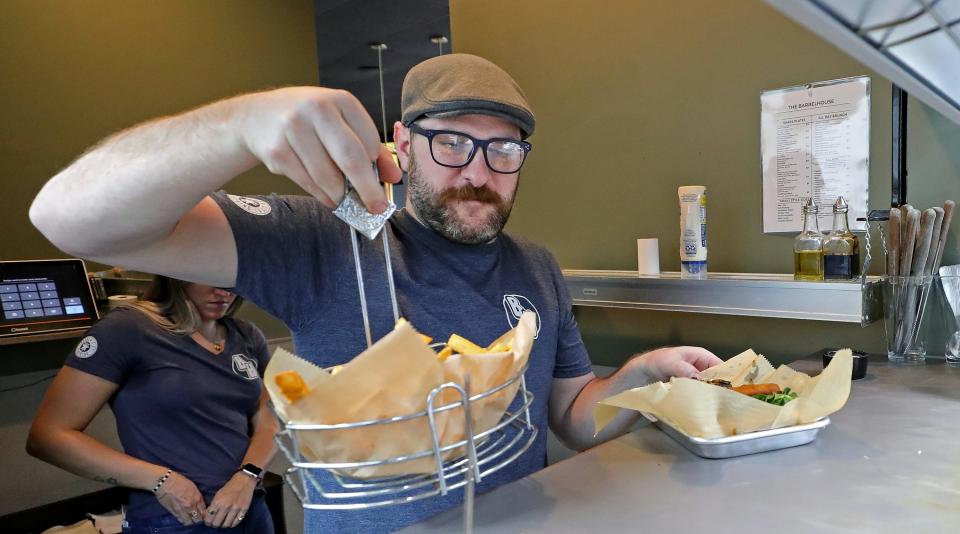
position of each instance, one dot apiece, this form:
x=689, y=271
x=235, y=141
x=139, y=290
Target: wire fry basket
x=486, y=452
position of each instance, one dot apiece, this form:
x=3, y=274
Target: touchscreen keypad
x=32, y=300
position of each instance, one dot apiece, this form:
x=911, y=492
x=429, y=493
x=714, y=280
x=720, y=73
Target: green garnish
x=779, y=399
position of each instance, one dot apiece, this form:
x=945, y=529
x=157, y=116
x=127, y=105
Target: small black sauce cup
x=859, y=362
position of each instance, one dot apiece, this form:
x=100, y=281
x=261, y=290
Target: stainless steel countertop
x=889, y=462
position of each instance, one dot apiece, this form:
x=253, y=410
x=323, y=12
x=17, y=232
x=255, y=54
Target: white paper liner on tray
x=393, y=378
x=703, y=410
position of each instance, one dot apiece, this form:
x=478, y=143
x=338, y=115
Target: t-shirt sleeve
x=572, y=357
x=110, y=348
x=257, y=343
x=274, y=234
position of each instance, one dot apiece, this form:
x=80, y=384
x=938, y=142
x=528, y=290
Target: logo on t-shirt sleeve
x=251, y=205
x=86, y=348
x=245, y=367
x=515, y=305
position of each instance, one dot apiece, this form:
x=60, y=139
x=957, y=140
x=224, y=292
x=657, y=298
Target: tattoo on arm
x=108, y=480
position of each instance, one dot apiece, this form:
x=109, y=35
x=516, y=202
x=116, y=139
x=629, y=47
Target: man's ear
x=401, y=140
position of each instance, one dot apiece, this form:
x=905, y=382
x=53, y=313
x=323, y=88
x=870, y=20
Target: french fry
x=445, y=353
x=497, y=348
x=464, y=345
x=460, y=345
x=291, y=385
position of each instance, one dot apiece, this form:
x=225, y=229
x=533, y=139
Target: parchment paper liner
x=393, y=378
x=703, y=410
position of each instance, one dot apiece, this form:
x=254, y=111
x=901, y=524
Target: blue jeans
x=256, y=521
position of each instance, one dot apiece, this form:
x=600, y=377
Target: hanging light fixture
x=380, y=47
x=439, y=40
x=391, y=146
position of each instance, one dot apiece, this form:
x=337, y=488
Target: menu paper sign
x=815, y=142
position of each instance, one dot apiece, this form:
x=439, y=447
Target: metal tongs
x=352, y=211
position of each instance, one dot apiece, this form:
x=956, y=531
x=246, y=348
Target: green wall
x=634, y=99
x=74, y=72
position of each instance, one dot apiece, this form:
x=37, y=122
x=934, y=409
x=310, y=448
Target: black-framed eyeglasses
x=457, y=149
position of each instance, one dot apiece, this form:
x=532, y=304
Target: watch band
x=252, y=471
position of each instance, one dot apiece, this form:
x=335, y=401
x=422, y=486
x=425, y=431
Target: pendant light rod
x=439, y=40
x=380, y=47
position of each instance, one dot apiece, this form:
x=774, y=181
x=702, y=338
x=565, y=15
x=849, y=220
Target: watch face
x=250, y=468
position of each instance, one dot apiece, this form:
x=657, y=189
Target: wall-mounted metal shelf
x=746, y=294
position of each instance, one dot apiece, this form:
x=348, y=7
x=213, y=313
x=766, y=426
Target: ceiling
x=913, y=43
x=347, y=28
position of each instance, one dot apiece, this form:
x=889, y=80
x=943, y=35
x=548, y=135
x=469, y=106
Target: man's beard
x=435, y=208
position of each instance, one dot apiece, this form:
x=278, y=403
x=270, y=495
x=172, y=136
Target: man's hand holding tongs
x=318, y=137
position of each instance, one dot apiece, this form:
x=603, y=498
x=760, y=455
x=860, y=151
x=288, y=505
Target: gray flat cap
x=460, y=84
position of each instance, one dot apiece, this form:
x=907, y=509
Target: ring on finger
x=239, y=518
x=212, y=511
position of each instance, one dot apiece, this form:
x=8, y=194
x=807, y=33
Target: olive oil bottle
x=841, y=250
x=808, y=246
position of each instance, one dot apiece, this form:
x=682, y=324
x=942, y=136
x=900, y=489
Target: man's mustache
x=465, y=193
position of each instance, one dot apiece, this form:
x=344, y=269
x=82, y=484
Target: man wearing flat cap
x=462, y=141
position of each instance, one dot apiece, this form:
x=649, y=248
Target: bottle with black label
x=841, y=250
x=808, y=246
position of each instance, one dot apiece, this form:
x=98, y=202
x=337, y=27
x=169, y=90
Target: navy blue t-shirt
x=295, y=261
x=178, y=405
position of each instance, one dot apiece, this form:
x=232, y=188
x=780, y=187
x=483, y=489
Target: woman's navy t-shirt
x=178, y=405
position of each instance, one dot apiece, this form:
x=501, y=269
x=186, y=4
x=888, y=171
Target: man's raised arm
x=138, y=198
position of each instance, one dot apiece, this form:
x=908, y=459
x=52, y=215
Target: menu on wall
x=815, y=142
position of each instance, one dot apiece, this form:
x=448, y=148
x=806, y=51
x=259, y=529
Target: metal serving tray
x=743, y=444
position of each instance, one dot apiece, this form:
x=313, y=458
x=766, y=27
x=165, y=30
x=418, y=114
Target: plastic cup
x=951, y=291
x=648, y=256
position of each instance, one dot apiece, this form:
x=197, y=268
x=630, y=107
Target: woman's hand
x=661, y=364
x=180, y=496
x=230, y=504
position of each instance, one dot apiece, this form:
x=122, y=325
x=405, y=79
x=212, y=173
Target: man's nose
x=477, y=172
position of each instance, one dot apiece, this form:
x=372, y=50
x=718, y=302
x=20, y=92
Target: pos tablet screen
x=42, y=296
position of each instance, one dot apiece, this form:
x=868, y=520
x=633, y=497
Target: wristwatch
x=252, y=471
